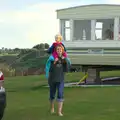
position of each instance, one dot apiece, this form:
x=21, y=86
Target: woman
x=55, y=75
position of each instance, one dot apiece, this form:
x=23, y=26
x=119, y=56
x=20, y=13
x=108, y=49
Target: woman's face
x=59, y=51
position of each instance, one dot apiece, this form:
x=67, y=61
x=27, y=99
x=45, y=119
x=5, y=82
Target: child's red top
x=55, y=44
x=1, y=76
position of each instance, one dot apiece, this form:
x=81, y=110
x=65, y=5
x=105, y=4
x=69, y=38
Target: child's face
x=59, y=51
x=58, y=39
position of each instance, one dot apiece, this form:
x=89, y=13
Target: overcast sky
x=24, y=23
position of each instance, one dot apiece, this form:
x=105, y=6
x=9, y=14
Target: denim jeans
x=59, y=86
x=2, y=104
x=1, y=113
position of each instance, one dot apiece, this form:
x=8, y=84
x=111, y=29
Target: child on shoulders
x=52, y=49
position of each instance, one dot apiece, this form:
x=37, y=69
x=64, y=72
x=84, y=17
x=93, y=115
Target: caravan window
x=104, y=29
x=98, y=30
x=82, y=30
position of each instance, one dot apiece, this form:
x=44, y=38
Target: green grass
x=27, y=99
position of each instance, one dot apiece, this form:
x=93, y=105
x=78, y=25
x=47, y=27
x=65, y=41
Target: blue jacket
x=48, y=64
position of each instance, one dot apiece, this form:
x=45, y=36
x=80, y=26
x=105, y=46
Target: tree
x=6, y=49
x=37, y=46
x=42, y=46
x=23, y=51
x=3, y=48
x=16, y=49
x=46, y=45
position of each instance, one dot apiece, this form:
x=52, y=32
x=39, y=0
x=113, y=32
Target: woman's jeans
x=2, y=104
x=56, y=86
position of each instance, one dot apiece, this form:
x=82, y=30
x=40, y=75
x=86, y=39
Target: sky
x=25, y=23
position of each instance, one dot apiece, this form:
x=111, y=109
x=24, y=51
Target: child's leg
x=1, y=83
x=64, y=54
x=55, y=55
x=60, y=87
x=52, y=87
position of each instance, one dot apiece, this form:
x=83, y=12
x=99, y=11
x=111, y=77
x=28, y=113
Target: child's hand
x=56, y=59
x=63, y=57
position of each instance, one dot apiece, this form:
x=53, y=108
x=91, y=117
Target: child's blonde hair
x=58, y=38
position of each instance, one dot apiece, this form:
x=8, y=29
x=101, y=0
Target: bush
x=7, y=70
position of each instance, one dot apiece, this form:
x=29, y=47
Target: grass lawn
x=27, y=99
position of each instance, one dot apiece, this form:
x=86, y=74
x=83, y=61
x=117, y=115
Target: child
x=58, y=39
x=55, y=75
x=2, y=96
x=1, y=79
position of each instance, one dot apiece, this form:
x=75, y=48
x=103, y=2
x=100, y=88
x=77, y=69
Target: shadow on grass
x=26, y=89
x=38, y=87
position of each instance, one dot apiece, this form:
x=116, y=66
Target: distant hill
x=9, y=59
x=32, y=60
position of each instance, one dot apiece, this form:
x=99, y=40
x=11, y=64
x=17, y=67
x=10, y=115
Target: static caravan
x=91, y=34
